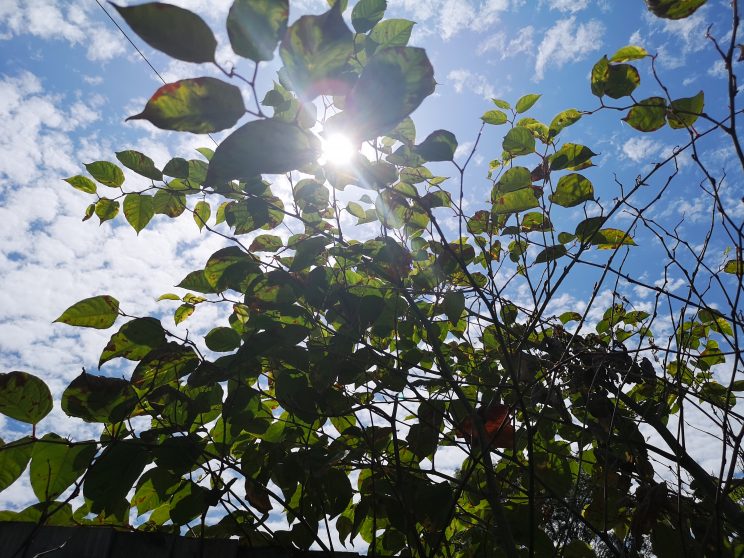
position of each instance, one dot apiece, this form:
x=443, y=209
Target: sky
x=69, y=78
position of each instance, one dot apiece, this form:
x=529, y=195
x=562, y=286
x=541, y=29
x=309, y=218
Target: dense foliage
x=352, y=358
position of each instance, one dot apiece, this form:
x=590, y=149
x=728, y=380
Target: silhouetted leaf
x=175, y=31
x=98, y=398
x=674, y=9
x=114, y=473
x=134, y=340
x=139, y=163
x=440, y=145
x=14, y=457
x=262, y=147
x=56, y=463
x=366, y=14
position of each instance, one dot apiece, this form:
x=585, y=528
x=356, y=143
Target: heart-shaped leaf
x=24, y=397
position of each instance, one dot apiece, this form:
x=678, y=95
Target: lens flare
x=337, y=150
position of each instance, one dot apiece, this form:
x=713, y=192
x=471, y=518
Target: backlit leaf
x=551, y=253
x=525, y=103
x=82, y=183
x=513, y=202
x=614, y=80
x=513, y=179
x=256, y=26
x=494, y=117
x=99, y=312
x=106, y=173
x=628, y=53
x=572, y=189
x=391, y=33
x=570, y=155
x=266, y=243
x=735, y=267
x=563, y=120
x=684, y=112
x=366, y=14
x=14, y=457
x=138, y=210
x=175, y=31
x=139, y=163
x=648, y=115
x=183, y=312
x=315, y=52
x=519, y=141
x=106, y=209
x=393, y=84
x=202, y=212
x=24, y=397
x=674, y=9
x=56, y=463
x=261, y=147
x=198, y=105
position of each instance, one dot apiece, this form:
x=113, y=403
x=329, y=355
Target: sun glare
x=337, y=150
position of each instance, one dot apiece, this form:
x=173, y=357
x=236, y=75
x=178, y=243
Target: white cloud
x=567, y=42
x=466, y=80
x=718, y=69
x=59, y=20
x=572, y=6
x=522, y=43
x=641, y=148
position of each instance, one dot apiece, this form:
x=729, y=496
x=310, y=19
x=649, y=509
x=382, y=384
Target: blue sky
x=68, y=79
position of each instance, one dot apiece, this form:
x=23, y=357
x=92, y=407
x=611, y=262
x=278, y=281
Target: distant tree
x=352, y=358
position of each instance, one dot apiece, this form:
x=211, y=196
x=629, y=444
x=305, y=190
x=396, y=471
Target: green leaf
x=525, y=103
x=183, y=312
x=440, y=145
x=14, y=457
x=315, y=52
x=139, y=163
x=24, y=397
x=134, y=340
x=454, y=304
x=495, y=117
x=563, y=120
x=674, y=9
x=256, y=26
x=648, y=115
x=613, y=80
x=165, y=364
x=628, y=53
x=513, y=202
x=154, y=488
x=106, y=173
x=513, y=179
x=99, y=312
x=391, y=33
x=501, y=104
x=188, y=503
x=735, y=267
x=138, y=210
x=366, y=14
x=198, y=105
x=99, y=398
x=261, y=147
x=266, y=243
x=519, y=141
x=175, y=31
x=82, y=183
x=202, y=212
x=611, y=239
x=393, y=84
x=222, y=339
x=177, y=168
x=106, y=209
x=570, y=155
x=572, y=189
x=169, y=202
x=684, y=112
x=114, y=473
x=551, y=253
x=89, y=211
x=56, y=463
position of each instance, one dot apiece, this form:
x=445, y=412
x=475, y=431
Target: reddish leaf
x=496, y=423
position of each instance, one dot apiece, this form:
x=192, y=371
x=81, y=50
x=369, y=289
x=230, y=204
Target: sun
x=337, y=150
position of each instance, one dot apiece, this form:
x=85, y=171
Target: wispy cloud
x=463, y=80
x=522, y=43
x=567, y=41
